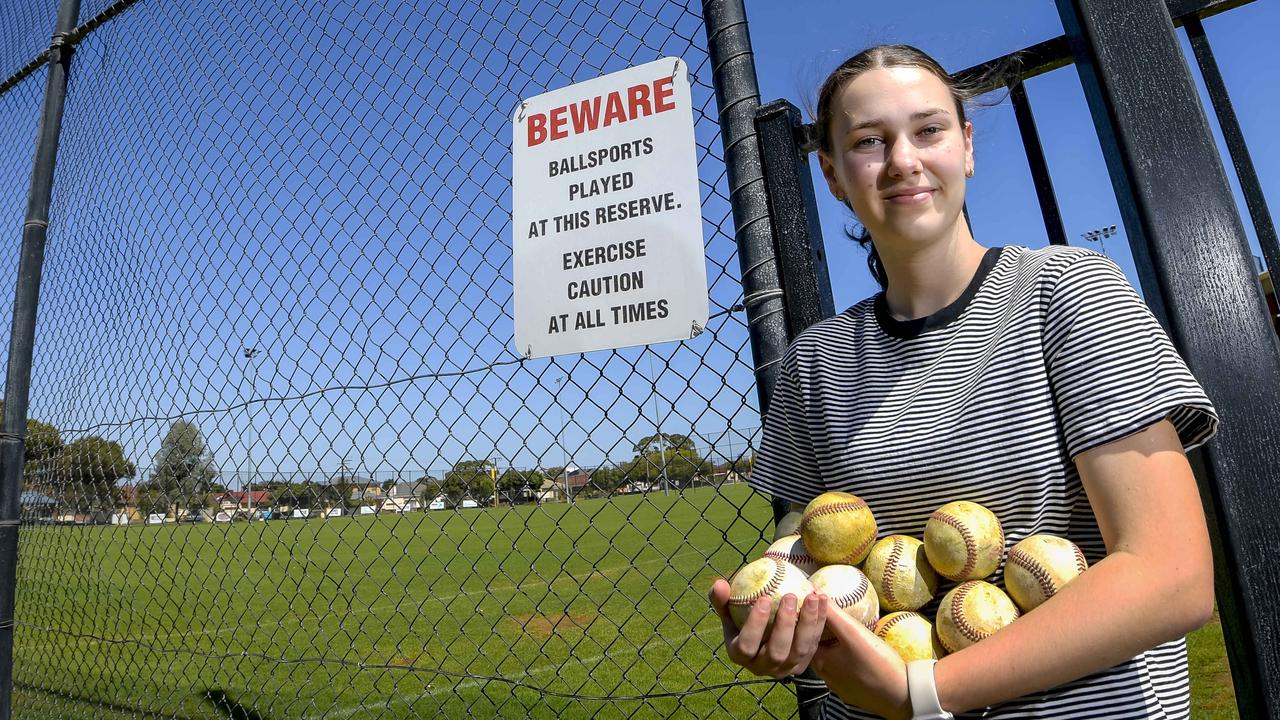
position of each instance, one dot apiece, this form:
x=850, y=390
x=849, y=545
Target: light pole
x=564, y=453
x=249, y=354
x=662, y=448
x=1099, y=234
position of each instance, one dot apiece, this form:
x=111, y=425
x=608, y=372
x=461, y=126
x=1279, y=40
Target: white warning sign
x=606, y=216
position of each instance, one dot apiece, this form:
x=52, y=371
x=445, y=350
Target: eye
x=864, y=142
x=936, y=128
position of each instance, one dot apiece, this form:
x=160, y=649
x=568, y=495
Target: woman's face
x=899, y=154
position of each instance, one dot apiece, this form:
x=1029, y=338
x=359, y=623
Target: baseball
x=838, y=528
x=1039, y=566
x=791, y=549
x=765, y=577
x=963, y=541
x=850, y=590
x=971, y=612
x=910, y=635
x=900, y=573
x=788, y=525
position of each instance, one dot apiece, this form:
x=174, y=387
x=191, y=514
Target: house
x=361, y=489
x=405, y=497
x=553, y=488
x=36, y=507
x=242, y=503
x=126, y=510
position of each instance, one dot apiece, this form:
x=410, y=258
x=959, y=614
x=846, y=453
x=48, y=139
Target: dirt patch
x=544, y=626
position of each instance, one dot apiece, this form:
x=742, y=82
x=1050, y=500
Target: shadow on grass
x=228, y=707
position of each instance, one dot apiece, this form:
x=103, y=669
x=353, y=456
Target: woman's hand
x=791, y=642
x=861, y=669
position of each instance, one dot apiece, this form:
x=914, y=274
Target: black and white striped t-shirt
x=1046, y=354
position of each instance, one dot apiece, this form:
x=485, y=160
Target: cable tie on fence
x=675, y=69
x=20, y=437
x=36, y=223
x=759, y=298
x=9, y=523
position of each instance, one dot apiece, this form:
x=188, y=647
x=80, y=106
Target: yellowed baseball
x=838, y=528
x=900, y=573
x=911, y=635
x=850, y=590
x=788, y=525
x=1039, y=566
x=963, y=541
x=971, y=612
x=765, y=577
x=791, y=549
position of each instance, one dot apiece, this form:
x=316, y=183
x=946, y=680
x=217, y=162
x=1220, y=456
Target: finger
x=746, y=646
x=809, y=627
x=718, y=595
x=777, y=650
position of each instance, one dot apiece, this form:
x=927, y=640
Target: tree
x=513, y=482
x=469, y=478
x=605, y=481
x=669, y=441
x=90, y=468
x=429, y=489
x=672, y=454
x=42, y=446
x=183, y=468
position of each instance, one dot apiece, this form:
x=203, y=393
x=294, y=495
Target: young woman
x=1034, y=382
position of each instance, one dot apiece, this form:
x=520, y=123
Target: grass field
x=482, y=613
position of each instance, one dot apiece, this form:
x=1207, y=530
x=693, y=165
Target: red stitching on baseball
x=832, y=508
x=897, y=618
x=1081, y=563
x=957, y=614
x=855, y=596
x=971, y=549
x=793, y=558
x=890, y=565
x=767, y=589
x=858, y=552
x=1020, y=558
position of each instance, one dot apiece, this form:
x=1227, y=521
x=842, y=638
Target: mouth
x=911, y=197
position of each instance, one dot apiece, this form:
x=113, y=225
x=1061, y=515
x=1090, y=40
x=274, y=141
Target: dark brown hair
x=963, y=90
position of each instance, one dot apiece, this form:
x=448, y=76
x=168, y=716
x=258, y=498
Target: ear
x=829, y=172
x=968, y=144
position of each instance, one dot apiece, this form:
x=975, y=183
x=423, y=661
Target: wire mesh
x=290, y=465
x=25, y=29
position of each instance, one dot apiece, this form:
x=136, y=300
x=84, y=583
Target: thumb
x=718, y=595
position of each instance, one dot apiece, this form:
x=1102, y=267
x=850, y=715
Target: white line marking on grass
x=473, y=682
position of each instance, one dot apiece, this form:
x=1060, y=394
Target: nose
x=903, y=160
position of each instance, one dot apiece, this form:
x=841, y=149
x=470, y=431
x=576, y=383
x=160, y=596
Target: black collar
x=908, y=329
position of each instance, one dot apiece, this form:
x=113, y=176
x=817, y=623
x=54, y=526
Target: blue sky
x=345, y=207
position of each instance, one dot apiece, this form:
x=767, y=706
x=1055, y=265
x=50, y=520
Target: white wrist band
x=923, y=692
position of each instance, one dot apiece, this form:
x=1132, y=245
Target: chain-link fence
x=284, y=461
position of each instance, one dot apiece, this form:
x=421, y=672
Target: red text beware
x=600, y=111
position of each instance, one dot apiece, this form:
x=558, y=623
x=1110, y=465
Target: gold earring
x=968, y=173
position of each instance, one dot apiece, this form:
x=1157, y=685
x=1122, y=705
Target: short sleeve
x=785, y=466
x=1112, y=369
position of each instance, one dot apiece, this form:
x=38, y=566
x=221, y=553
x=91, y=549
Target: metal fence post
x=1190, y=250
x=738, y=97
x=797, y=233
x=22, y=336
